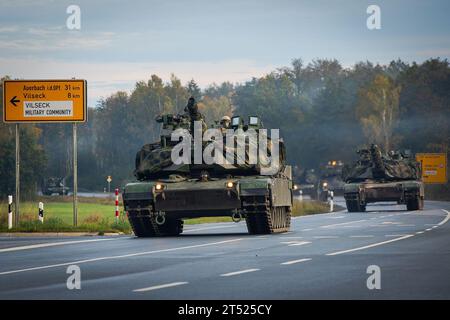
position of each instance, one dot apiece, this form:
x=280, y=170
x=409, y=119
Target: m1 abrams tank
x=55, y=185
x=305, y=182
x=166, y=193
x=330, y=180
x=379, y=177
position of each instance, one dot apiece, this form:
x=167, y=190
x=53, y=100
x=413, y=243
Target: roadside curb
x=57, y=234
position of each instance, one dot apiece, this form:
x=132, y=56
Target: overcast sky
x=121, y=42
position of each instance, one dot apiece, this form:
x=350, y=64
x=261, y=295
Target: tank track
x=262, y=218
x=144, y=225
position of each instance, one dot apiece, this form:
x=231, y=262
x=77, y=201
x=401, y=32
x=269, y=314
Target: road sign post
x=10, y=217
x=41, y=212
x=36, y=101
x=109, y=179
x=75, y=176
x=17, y=203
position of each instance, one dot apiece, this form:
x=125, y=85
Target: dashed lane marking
x=209, y=228
x=235, y=273
x=342, y=224
x=295, y=261
x=161, y=286
x=325, y=237
x=362, y=236
x=296, y=243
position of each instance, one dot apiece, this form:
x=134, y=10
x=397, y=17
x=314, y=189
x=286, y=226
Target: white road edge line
x=369, y=246
x=238, y=272
x=295, y=261
x=446, y=218
x=162, y=286
x=53, y=244
x=388, y=241
x=118, y=257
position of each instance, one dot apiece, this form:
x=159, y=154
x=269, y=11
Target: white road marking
x=389, y=241
x=325, y=237
x=295, y=243
x=306, y=229
x=446, y=218
x=238, y=272
x=369, y=246
x=395, y=235
x=53, y=244
x=209, y=228
x=295, y=261
x=429, y=229
x=341, y=224
x=118, y=256
x=162, y=286
x=362, y=236
x=292, y=237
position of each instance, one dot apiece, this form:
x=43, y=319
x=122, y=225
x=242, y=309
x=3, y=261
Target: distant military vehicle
x=305, y=181
x=379, y=177
x=330, y=180
x=55, y=185
x=167, y=193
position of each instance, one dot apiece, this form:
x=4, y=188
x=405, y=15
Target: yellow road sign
x=434, y=167
x=44, y=101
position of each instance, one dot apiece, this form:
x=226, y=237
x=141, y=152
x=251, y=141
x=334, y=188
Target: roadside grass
x=97, y=215
x=94, y=215
x=308, y=207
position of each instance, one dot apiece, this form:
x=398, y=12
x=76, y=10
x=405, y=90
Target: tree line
x=323, y=110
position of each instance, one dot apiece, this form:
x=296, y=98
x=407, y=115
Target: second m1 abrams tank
x=167, y=193
x=379, y=177
x=330, y=180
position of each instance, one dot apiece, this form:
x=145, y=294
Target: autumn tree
x=377, y=110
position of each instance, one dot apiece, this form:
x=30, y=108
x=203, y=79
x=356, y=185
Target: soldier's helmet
x=191, y=106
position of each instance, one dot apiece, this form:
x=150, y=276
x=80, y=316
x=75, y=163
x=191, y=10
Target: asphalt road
x=323, y=257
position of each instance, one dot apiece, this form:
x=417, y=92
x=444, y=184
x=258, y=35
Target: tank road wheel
x=264, y=219
x=415, y=203
x=146, y=226
x=354, y=206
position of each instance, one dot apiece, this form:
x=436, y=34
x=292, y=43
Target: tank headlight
x=325, y=184
x=158, y=186
x=230, y=184
x=295, y=187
